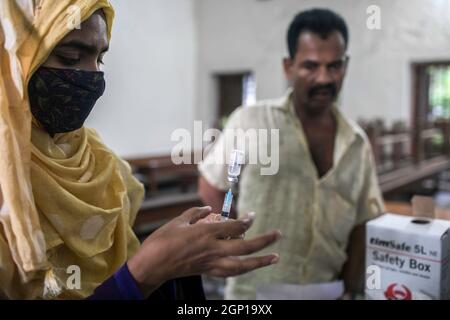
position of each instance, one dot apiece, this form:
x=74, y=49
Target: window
x=439, y=92
x=234, y=90
x=431, y=109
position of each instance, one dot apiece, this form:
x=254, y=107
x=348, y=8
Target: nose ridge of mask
x=87, y=80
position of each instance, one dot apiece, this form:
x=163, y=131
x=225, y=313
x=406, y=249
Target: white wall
x=150, y=73
x=164, y=54
x=250, y=34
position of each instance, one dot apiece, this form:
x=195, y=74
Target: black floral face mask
x=61, y=99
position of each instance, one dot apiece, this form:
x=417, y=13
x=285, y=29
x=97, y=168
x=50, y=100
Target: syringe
x=234, y=170
x=227, y=205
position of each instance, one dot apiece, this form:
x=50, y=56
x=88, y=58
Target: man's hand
x=184, y=247
x=353, y=270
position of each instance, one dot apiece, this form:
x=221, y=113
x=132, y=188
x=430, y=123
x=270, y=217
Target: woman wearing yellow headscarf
x=67, y=201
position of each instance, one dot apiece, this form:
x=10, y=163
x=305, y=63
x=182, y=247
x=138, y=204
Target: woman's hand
x=184, y=247
x=215, y=218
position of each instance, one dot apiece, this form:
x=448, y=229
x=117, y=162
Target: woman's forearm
x=120, y=286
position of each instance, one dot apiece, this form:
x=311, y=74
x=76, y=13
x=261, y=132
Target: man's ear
x=347, y=62
x=287, y=67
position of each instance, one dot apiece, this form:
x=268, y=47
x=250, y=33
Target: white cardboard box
x=407, y=258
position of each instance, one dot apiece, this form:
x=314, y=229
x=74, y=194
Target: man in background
x=326, y=187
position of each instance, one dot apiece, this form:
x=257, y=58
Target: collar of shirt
x=346, y=134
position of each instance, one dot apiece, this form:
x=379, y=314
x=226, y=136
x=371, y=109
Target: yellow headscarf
x=68, y=200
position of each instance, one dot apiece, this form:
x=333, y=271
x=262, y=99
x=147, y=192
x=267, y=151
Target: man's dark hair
x=319, y=21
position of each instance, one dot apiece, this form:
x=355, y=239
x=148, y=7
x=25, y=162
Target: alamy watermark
x=373, y=21
x=73, y=281
x=261, y=147
x=373, y=277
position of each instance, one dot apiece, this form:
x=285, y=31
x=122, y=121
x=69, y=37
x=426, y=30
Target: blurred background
x=173, y=62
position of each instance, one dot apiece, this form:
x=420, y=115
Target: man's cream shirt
x=315, y=215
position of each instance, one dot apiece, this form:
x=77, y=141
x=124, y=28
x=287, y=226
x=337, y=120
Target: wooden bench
x=405, y=157
x=160, y=170
x=170, y=190
x=156, y=212
x=405, y=208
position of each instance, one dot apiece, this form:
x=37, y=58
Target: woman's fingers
x=216, y=218
x=233, y=266
x=211, y=218
x=230, y=228
x=192, y=215
x=236, y=247
x=250, y=215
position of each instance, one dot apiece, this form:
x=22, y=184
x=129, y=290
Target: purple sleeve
x=120, y=286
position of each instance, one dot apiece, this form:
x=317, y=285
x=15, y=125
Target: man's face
x=317, y=71
x=82, y=49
